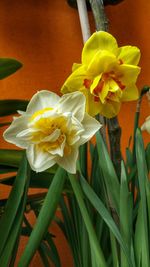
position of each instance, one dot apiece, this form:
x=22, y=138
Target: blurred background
x=45, y=36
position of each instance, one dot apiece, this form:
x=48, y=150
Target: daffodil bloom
x=146, y=125
x=52, y=129
x=106, y=76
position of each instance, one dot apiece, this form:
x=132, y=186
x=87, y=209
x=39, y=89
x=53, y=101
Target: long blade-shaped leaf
x=8, y=66
x=142, y=176
x=14, y=234
x=126, y=206
x=45, y=217
x=95, y=247
x=11, y=106
x=13, y=203
x=109, y=173
x=101, y=209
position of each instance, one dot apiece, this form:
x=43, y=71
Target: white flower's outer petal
x=91, y=126
x=18, y=125
x=20, y=112
x=146, y=125
x=42, y=99
x=73, y=103
x=39, y=160
x=69, y=162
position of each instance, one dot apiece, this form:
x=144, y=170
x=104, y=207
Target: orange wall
x=45, y=36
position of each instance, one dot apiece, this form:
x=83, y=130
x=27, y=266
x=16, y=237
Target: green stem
x=114, y=132
x=95, y=247
x=45, y=217
x=83, y=159
x=144, y=90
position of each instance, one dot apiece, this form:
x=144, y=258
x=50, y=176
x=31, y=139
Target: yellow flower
x=106, y=76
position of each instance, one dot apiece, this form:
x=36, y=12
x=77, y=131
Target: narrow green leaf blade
x=101, y=209
x=10, y=106
x=45, y=217
x=13, y=204
x=142, y=176
x=109, y=173
x=95, y=247
x=8, y=66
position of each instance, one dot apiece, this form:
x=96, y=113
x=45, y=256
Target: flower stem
x=100, y=18
x=45, y=217
x=144, y=90
x=114, y=130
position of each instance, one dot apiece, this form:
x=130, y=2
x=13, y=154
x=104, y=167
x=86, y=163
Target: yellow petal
x=95, y=83
x=103, y=94
x=128, y=74
x=103, y=61
x=98, y=41
x=113, y=86
x=92, y=107
x=110, y=109
x=75, y=66
x=75, y=81
x=130, y=93
x=129, y=54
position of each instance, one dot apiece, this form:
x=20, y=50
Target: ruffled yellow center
x=51, y=132
x=105, y=87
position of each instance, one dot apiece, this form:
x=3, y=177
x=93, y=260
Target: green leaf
x=54, y=256
x=70, y=225
x=138, y=237
x=142, y=176
x=8, y=66
x=8, y=107
x=11, y=157
x=147, y=152
x=95, y=247
x=6, y=169
x=10, y=249
x=83, y=159
x=109, y=173
x=126, y=206
x=13, y=204
x=101, y=209
x=45, y=217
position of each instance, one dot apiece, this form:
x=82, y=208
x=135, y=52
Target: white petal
x=42, y=99
x=69, y=162
x=91, y=126
x=39, y=160
x=74, y=103
x=77, y=126
x=26, y=134
x=146, y=125
x=20, y=112
x=18, y=125
x=59, y=151
x=53, y=137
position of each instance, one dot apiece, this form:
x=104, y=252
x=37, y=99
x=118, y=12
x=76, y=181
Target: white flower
x=146, y=125
x=52, y=129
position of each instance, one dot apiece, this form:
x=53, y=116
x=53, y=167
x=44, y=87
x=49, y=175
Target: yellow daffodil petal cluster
x=106, y=76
